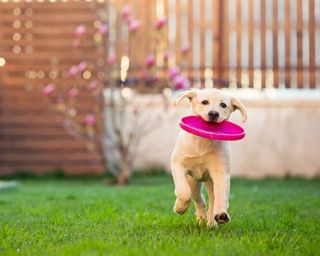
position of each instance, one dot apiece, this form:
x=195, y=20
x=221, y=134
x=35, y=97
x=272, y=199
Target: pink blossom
x=126, y=11
x=150, y=61
x=103, y=29
x=185, y=50
x=173, y=72
x=92, y=85
x=80, y=30
x=73, y=71
x=90, y=120
x=111, y=59
x=181, y=82
x=73, y=92
x=82, y=66
x=161, y=23
x=134, y=25
x=48, y=90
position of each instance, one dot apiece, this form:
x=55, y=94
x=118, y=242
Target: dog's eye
x=223, y=105
x=205, y=102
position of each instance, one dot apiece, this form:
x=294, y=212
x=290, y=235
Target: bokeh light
x=16, y=49
x=2, y=61
x=16, y=11
x=86, y=74
x=16, y=24
x=16, y=36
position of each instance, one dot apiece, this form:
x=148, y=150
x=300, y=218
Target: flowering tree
x=115, y=123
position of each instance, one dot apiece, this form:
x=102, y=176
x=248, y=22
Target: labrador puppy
x=195, y=159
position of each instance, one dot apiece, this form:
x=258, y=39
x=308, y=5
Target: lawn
x=86, y=217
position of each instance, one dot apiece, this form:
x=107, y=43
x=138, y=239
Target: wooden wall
x=35, y=41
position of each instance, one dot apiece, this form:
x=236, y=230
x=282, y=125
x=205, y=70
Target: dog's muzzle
x=213, y=116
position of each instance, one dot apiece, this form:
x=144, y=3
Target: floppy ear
x=238, y=105
x=189, y=94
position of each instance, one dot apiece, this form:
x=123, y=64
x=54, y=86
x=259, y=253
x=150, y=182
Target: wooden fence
x=275, y=42
x=35, y=41
x=234, y=43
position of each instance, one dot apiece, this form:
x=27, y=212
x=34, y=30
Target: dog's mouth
x=211, y=120
x=215, y=121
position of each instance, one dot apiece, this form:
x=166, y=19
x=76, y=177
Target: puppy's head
x=212, y=105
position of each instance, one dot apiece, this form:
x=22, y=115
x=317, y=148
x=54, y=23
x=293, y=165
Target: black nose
x=213, y=115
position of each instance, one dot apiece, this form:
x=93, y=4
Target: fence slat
x=239, y=42
x=263, y=42
x=312, y=65
x=202, y=28
x=190, y=38
x=222, y=48
x=178, y=31
x=251, y=42
x=300, y=80
x=287, y=28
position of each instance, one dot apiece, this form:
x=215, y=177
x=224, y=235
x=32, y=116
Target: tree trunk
x=124, y=174
x=122, y=179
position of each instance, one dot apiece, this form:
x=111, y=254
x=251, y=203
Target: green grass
x=86, y=217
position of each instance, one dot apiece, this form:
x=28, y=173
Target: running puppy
x=195, y=159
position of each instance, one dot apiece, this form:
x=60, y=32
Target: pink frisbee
x=223, y=131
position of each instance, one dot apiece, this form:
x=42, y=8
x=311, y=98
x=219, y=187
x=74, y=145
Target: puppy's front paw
x=201, y=213
x=180, y=207
x=201, y=220
x=212, y=224
x=222, y=218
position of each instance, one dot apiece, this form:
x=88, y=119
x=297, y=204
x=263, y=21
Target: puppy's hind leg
x=198, y=199
x=182, y=189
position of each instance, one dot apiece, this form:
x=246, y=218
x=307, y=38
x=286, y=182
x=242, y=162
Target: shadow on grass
x=147, y=178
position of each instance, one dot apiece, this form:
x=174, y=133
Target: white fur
x=195, y=160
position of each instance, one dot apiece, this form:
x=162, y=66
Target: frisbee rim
x=212, y=135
